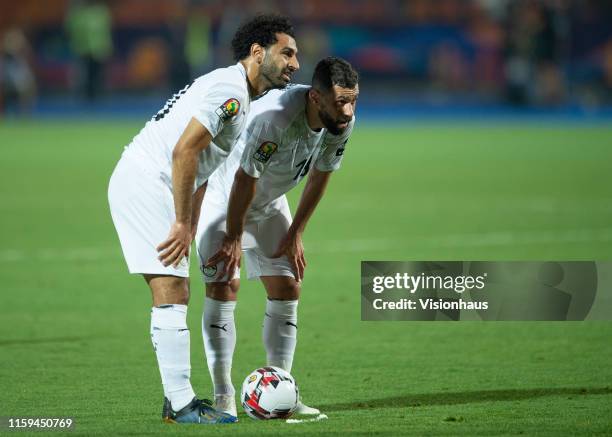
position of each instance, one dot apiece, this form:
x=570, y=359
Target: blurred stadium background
x=418, y=56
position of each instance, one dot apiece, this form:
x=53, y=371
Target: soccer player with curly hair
x=158, y=185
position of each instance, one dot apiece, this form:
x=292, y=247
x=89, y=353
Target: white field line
x=366, y=245
x=535, y=204
x=314, y=419
x=481, y=239
x=61, y=255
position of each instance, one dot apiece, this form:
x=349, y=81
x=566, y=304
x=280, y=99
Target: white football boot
x=305, y=409
x=226, y=404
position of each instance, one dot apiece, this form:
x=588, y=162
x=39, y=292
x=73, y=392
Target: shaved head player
x=291, y=133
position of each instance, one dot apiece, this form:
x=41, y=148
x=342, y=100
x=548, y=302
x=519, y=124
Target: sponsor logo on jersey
x=228, y=109
x=209, y=271
x=265, y=151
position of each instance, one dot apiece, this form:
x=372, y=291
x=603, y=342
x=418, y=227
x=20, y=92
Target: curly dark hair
x=261, y=30
x=332, y=71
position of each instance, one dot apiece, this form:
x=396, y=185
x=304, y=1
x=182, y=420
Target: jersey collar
x=244, y=76
x=241, y=68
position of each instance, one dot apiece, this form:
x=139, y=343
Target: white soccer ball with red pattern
x=269, y=393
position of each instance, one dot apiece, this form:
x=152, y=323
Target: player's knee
x=288, y=290
x=183, y=297
x=224, y=291
x=293, y=291
x=179, y=290
x=168, y=289
x=234, y=285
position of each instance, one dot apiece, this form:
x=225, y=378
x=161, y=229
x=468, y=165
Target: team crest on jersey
x=209, y=271
x=265, y=151
x=228, y=109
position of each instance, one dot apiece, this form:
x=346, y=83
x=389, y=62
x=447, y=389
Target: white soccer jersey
x=219, y=100
x=278, y=147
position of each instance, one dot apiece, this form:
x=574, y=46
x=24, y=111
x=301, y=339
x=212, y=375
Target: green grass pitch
x=75, y=326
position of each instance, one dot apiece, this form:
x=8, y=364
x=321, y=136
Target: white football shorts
x=142, y=208
x=260, y=241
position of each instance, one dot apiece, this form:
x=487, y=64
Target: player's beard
x=330, y=124
x=273, y=74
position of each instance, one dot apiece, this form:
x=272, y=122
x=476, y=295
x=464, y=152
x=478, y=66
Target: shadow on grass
x=466, y=397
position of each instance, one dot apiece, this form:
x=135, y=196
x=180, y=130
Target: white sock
x=219, y=334
x=280, y=332
x=170, y=337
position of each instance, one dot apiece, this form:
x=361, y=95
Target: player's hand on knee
x=291, y=246
x=176, y=246
x=229, y=253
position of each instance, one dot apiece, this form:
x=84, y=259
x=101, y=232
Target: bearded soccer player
x=157, y=188
x=290, y=133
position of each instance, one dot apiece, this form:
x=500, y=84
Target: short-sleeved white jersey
x=278, y=147
x=219, y=100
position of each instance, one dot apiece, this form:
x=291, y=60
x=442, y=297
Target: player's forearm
x=312, y=194
x=184, y=164
x=194, y=139
x=198, y=197
x=241, y=196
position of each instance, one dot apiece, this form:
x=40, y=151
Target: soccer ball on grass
x=269, y=393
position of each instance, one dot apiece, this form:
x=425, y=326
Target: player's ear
x=314, y=95
x=257, y=52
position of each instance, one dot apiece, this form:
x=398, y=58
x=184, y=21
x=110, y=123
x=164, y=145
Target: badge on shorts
x=265, y=151
x=228, y=109
x=209, y=271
